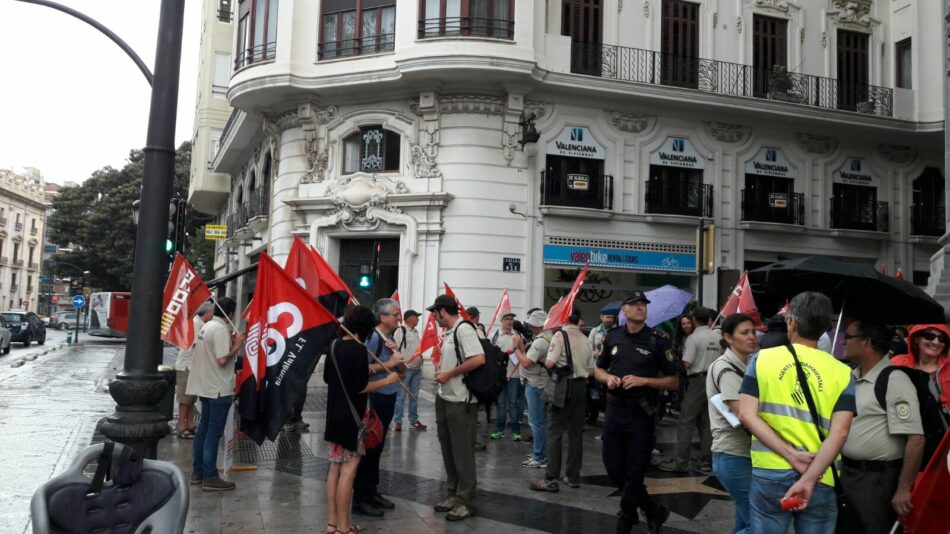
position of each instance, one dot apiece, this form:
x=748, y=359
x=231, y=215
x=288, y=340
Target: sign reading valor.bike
x=629, y=259
x=576, y=142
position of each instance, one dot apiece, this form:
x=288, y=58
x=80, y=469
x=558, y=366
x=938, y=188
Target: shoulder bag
x=370, y=428
x=557, y=392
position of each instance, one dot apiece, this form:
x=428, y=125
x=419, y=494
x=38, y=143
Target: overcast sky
x=71, y=101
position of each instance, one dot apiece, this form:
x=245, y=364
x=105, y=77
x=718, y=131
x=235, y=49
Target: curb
x=32, y=357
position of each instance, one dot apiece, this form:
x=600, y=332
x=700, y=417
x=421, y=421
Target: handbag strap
x=567, y=348
x=356, y=415
x=803, y=382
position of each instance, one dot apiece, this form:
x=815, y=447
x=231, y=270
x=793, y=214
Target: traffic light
x=365, y=281
x=174, y=240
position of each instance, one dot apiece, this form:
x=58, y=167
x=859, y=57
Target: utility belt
x=872, y=465
x=640, y=402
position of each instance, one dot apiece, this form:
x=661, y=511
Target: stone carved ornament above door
x=359, y=197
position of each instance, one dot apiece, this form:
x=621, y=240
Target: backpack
x=486, y=381
x=402, y=344
x=731, y=369
x=931, y=413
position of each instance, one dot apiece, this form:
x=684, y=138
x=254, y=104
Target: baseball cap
x=410, y=313
x=536, y=319
x=446, y=302
x=635, y=296
x=508, y=313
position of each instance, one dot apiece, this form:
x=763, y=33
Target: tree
x=96, y=220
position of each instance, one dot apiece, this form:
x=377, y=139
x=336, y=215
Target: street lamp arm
x=95, y=24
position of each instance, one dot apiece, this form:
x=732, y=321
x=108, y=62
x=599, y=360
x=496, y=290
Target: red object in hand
x=791, y=502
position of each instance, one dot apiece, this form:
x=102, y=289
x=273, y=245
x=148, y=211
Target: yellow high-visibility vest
x=783, y=406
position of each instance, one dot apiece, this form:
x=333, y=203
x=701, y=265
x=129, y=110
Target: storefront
x=574, y=171
x=854, y=203
x=675, y=185
x=769, y=194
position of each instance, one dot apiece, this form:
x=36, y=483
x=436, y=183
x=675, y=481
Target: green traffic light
x=364, y=281
x=169, y=246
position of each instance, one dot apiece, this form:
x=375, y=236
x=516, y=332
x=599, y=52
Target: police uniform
x=628, y=438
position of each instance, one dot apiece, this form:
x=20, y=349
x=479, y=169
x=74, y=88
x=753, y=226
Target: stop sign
x=55, y=298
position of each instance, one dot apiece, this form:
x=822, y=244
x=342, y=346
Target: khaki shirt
x=412, y=343
x=208, y=379
x=536, y=376
x=581, y=353
x=728, y=440
x=455, y=390
x=876, y=433
x=596, y=339
x=701, y=349
x=183, y=363
x=506, y=342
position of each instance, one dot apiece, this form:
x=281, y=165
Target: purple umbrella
x=666, y=302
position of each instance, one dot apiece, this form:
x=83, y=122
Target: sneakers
x=545, y=485
x=297, y=425
x=218, y=484
x=448, y=504
x=516, y=437
x=655, y=520
x=672, y=465
x=705, y=468
x=196, y=479
x=397, y=427
x=531, y=462
x=419, y=426
x=572, y=483
x=496, y=435
x=460, y=512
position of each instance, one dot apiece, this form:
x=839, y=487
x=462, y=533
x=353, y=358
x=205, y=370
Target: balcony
x=773, y=207
x=18, y=263
x=255, y=54
x=34, y=267
x=13, y=287
x=721, y=77
x=577, y=191
x=679, y=197
x=4, y=260
x=34, y=230
x=29, y=290
x=3, y=221
x=373, y=44
x=18, y=227
x=850, y=214
x=926, y=219
x=467, y=27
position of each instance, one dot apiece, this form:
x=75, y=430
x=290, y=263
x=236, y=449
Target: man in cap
x=456, y=410
x=530, y=362
x=407, y=342
x=476, y=316
x=512, y=397
x=635, y=364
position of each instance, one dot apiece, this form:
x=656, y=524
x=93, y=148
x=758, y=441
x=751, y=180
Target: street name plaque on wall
x=511, y=265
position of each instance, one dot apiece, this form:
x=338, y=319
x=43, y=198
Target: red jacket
x=943, y=363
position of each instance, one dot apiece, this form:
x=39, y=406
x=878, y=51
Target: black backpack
x=485, y=382
x=931, y=413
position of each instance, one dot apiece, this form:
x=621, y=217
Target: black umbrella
x=856, y=287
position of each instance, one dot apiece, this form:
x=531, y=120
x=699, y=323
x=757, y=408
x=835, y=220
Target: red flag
x=396, y=297
x=302, y=267
x=287, y=331
x=504, y=307
x=742, y=301
x=930, y=499
x=430, y=340
x=184, y=292
x=334, y=294
x=900, y=274
x=883, y=269
x=554, y=315
x=462, y=313
x=784, y=311
x=575, y=289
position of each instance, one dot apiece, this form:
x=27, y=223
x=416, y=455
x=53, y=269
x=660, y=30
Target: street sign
x=79, y=301
x=216, y=232
x=511, y=265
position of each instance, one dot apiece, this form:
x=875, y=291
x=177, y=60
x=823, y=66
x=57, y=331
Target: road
x=51, y=397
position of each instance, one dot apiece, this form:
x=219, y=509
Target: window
x=224, y=11
x=257, y=32
x=480, y=18
x=222, y=73
x=581, y=20
x=680, y=43
x=31, y=255
x=769, y=50
x=214, y=143
x=902, y=54
x=852, y=69
x=16, y=251
x=372, y=149
x=354, y=27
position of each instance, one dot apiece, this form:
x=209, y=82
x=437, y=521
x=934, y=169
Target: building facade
x=504, y=144
x=22, y=227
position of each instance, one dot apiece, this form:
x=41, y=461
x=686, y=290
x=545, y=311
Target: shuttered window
x=769, y=50
x=581, y=21
x=852, y=69
x=680, y=43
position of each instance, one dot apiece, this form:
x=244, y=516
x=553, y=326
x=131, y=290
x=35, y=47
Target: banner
x=741, y=301
x=334, y=294
x=430, y=340
x=302, y=267
x=504, y=307
x=462, y=313
x=230, y=444
x=184, y=292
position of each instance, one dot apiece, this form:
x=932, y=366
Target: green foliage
x=96, y=218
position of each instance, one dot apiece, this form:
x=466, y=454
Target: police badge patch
x=669, y=354
x=613, y=351
x=903, y=410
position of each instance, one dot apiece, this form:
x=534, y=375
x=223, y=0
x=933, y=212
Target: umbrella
x=666, y=302
x=857, y=289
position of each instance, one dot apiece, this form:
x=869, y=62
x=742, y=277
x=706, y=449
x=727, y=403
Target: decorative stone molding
x=359, y=198
x=423, y=163
x=824, y=39
x=540, y=109
x=488, y=105
x=715, y=19
x=898, y=153
x=630, y=122
x=801, y=35
x=778, y=5
x=816, y=144
x=311, y=119
x=727, y=133
x=287, y=121
x=853, y=12
x=646, y=8
x=272, y=132
x=738, y=24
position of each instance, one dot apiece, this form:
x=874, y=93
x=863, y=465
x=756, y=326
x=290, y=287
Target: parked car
x=24, y=327
x=5, y=341
x=67, y=321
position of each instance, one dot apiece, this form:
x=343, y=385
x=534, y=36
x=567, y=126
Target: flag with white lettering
x=742, y=301
x=302, y=267
x=184, y=292
x=430, y=340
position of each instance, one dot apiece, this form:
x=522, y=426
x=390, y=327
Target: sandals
x=187, y=433
x=354, y=529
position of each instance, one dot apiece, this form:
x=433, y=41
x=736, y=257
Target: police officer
x=635, y=365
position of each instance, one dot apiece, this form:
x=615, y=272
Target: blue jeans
x=412, y=380
x=768, y=488
x=735, y=474
x=509, y=406
x=538, y=420
x=214, y=415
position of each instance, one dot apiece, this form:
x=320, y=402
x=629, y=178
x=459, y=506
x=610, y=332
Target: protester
x=631, y=364
x=348, y=385
x=899, y=343
x=776, y=334
x=456, y=410
x=789, y=459
x=475, y=315
x=883, y=452
x=682, y=330
x=407, y=341
x=212, y=381
x=511, y=399
x=535, y=379
x=595, y=390
x=366, y=497
x=701, y=349
x=730, y=444
x=571, y=343
x=596, y=338
x=928, y=352
x=186, y=402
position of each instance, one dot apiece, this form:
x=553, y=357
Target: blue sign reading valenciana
x=637, y=260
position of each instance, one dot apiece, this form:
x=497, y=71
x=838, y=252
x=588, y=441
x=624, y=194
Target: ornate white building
x=22, y=227
x=392, y=138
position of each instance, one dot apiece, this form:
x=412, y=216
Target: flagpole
x=388, y=370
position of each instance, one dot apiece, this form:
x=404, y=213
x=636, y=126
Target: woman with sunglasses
x=928, y=345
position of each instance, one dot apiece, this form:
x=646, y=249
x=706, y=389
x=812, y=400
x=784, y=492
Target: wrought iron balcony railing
x=5, y=260
x=927, y=219
x=258, y=204
x=593, y=191
x=773, y=207
x=13, y=287
x=467, y=27
x=679, y=197
x=3, y=221
x=18, y=227
x=850, y=214
x=34, y=267
x=712, y=76
x=255, y=54
x=34, y=230
x=18, y=263
x=373, y=44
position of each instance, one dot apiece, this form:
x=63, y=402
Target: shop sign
x=778, y=200
x=769, y=162
x=576, y=142
x=635, y=260
x=677, y=152
x=578, y=182
x=511, y=265
x=216, y=232
x=855, y=172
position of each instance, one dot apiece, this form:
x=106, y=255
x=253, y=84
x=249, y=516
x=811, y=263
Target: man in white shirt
x=186, y=402
x=511, y=399
x=407, y=341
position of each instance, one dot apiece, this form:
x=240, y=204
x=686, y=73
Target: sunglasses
x=934, y=336
x=849, y=336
